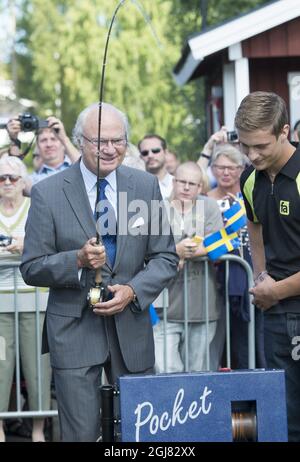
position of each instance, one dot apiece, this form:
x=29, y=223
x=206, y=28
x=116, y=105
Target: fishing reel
x=99, y=292
x=96, y=295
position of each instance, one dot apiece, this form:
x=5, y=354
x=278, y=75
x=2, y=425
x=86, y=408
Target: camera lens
x=29, y=122
x=27, y=126
x=232, y=136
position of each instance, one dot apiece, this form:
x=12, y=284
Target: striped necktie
x=106, y=223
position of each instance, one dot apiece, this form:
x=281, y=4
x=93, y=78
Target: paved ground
x=17, y=431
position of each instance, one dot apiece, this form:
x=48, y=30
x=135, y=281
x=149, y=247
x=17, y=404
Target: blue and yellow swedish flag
x=226, y=240
x=220, y=242
x=235, y=217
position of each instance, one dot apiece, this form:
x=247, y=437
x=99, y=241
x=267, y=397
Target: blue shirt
x=45, y=171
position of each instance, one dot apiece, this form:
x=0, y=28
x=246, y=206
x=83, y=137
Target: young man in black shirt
x=271, y=189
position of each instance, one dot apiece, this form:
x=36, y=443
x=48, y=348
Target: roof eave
x=232, y=32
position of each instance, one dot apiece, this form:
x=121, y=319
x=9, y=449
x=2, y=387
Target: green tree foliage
x=217, y=12
x=60, y=52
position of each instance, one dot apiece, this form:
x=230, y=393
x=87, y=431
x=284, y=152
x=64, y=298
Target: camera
x=224, y=204
x=5, y=240
x=31, y=123
x=232, y=137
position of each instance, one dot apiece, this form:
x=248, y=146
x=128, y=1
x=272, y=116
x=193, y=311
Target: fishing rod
x=98, y=293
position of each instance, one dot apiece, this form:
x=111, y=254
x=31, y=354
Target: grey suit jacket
x=60, y=221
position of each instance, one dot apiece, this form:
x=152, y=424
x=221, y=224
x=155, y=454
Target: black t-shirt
x=276, y=206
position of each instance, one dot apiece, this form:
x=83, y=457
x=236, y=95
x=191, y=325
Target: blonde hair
x=194, y=166
x=262, y=110
x=205, y=181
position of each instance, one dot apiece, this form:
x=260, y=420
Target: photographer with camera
x=13, y=128
x=217, y=139
x=55, y=149
x=23, y=123
x=13, y=214
x=54, y=146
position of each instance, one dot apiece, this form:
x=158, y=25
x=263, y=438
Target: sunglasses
x=145, y=152
x=11, y=178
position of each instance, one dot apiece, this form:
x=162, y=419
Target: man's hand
x=57, y=125
x=13, y=127
x=91, y=255
x=122, y=296
x=219, y=137
x=264, y=293
x=186, y=248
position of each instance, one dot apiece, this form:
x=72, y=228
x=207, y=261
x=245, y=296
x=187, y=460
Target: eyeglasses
x=230, y=168
x=11, y=178
x=188, y=184
x=116, y=143
x=145, y=152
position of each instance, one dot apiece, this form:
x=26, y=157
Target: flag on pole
x=220, y=242
x=235, y=217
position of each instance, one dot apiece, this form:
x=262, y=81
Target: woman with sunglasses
x=13, y=214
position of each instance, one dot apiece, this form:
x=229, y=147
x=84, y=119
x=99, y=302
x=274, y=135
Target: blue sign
x=198, y=406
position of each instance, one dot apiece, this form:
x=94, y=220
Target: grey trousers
x=78, y=392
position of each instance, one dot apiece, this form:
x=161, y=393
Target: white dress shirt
x=166, y=185
x=90, y=180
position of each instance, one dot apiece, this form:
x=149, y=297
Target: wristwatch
x=134, y=304
x=206, y=156
x=134, y=294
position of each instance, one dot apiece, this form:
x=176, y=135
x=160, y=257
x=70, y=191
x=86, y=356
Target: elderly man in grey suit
x=60, y=253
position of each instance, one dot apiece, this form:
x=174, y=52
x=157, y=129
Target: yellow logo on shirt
x=284, y=207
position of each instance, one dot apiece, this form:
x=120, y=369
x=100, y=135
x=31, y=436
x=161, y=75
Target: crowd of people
x=61, y=253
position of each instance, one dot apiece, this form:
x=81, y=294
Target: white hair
x=15, y=163
x=78, y=129
x=232, y=153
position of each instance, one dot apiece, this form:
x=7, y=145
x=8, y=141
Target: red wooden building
x=256, y=51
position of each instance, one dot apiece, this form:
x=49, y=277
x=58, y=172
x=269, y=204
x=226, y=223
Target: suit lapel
x=75, y=192
x=126, y=186
x=76, y=195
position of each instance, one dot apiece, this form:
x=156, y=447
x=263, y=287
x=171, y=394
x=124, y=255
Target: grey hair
x=231, y=153
x=78, y=128
x=15, y=163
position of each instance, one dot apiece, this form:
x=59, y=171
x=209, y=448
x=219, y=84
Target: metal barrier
x=251, y=325
x=19, y=413
x=39, y=413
